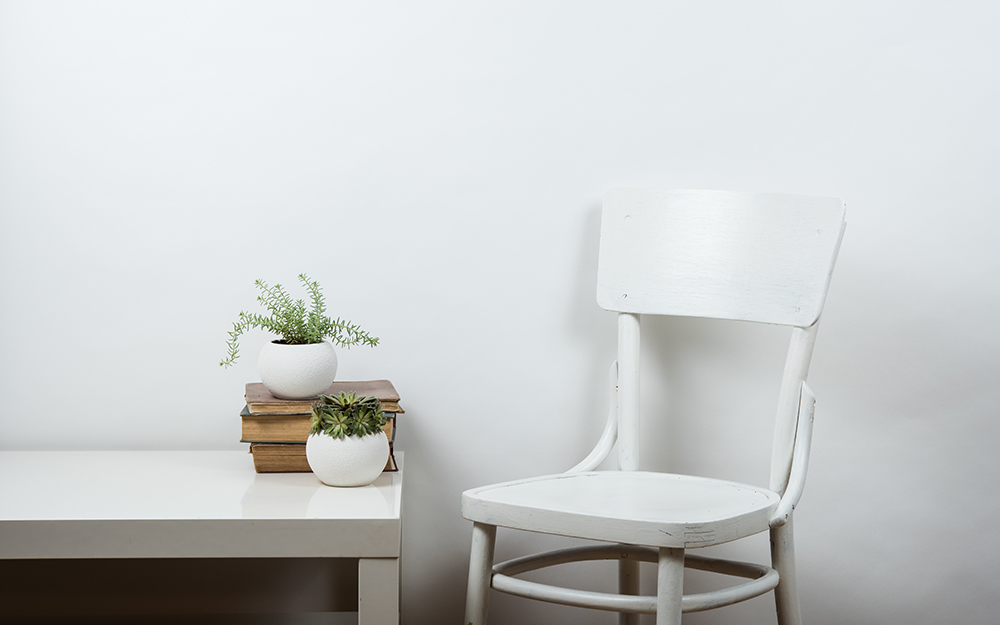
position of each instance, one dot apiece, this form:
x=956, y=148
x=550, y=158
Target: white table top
x=186, y=504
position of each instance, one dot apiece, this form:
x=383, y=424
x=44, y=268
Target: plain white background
x=439, y=168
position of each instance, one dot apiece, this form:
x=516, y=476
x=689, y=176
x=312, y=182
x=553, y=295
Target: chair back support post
x=800, y=350
x=628, y=392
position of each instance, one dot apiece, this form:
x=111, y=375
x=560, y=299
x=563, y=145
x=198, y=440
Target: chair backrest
x=746, y=256
x=742, y=256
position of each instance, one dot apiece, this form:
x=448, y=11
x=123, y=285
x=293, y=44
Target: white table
x=199, y=504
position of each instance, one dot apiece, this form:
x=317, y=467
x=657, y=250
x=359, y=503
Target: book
x=278, y=428
x=279, y=458
x=290, y=428
x=291, y=458
x=261, y=401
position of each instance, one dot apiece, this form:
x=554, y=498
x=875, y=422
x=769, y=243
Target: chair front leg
x=786, y=598
x=669, y=586
x=480, y=573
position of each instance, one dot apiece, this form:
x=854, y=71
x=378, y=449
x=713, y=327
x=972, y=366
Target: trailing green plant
x=347, y=415
x=294, y=322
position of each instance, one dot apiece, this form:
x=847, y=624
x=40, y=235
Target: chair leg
x=628, y=584
x=669, y=586
x=480, y=573
x=786, y=598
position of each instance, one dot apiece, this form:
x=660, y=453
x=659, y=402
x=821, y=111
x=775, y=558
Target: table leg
x=378, y=591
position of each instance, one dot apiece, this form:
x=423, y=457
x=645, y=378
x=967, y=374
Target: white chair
x=739, y=256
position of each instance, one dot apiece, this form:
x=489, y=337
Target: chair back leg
x=669, y=586
x=786, y=598
x=477, y=598
x=628, y=584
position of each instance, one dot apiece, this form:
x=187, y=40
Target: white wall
x=439, y=167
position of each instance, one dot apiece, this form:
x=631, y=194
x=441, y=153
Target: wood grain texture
x=762, y=579
x=477, y=597
x=745, y=256
x=633, y=507
x=739, y=256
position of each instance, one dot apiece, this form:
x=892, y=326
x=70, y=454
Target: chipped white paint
x=746, y=256
x=610, y=435
x=628, y=392
x=763, y=579
x=738, y=256
x=635, y=507
x=800, y=458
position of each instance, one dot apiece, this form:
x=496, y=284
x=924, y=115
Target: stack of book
x=277, y=429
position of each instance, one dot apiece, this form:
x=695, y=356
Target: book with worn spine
x=277, y=429
x=291, y=428
x=261, y=401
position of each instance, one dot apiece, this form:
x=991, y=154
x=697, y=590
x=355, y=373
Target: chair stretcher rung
x=763, y=578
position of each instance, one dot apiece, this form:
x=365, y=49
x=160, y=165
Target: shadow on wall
x=709, y=395
x=594, y=330
x=905, y=446
x=905, y=438
x=906, y=405
x=436, y=537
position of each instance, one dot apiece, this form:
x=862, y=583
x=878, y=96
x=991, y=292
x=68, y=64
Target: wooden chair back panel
x=742, y=256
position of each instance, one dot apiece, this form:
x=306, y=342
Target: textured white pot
x=348, y=461
x=297, y=371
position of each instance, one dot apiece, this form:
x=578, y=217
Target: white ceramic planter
x=297, y=371
x=348, y=461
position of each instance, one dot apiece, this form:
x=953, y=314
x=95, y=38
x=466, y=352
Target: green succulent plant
x=294, y=322
x=347, y=415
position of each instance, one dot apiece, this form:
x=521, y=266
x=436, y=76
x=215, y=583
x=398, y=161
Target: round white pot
x=297, y=371
x=348, y=461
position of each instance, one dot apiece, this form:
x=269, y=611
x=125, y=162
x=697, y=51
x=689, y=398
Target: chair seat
x=633, y=507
